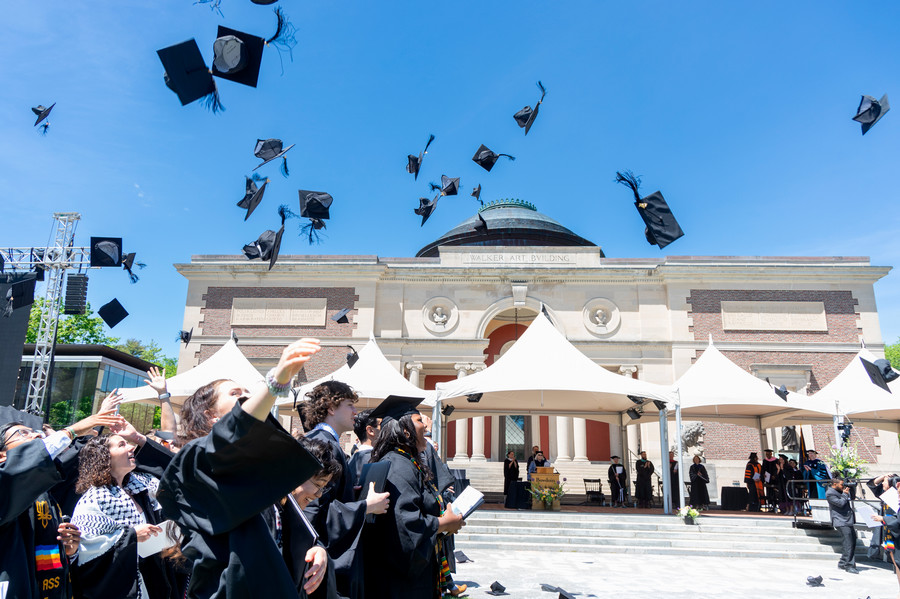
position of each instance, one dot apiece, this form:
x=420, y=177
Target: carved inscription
x=278, y=312
x=774, y=316
x=515, y=258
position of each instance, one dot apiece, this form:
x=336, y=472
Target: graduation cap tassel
x=311, y=230
x=284, y=167
x=212, y=102
x=257, y=177
x=214, y=5
x=543, y=91
x=632, y=181
x=285, y=213
x=134, y=278
x=284, y=38
x=430, y=139
x=512, y=158
x=435, y=187
x=43, y=128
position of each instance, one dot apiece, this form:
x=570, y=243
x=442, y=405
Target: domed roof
x=510, y=222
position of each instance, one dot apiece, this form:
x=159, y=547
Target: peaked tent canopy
x=543, y=373
x=853, y=394
x=227, y=363
x=372, y=377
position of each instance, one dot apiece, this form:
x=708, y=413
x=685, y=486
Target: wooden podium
x=544, y=476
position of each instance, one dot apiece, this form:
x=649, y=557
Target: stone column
x=414, y=368
x=579, y=435
x=562, y=439
x=478, y=439
x=462, y=425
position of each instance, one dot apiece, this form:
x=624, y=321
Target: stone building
x=465, y=297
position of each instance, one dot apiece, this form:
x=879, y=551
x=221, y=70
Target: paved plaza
x=640, y=576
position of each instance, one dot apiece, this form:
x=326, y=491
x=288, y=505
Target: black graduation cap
x=497, y=589
x=814, y=581
x=781, y=392
x=262, y=247
x=276, y=246
x=341, y=317
x=870, y=111
x=476, y=193
x=352, y=357
x=662, y=228
x=19, y=295
x=549, y=588
x=187, y=75
x=486, y=158
x=396, y=407
x=165, y=435
x=525, y=117
x=253, y=194
x=414, y=163
x=41, y=112
x=271, y=149
x=426, y=207
x=185, y=336
x=880, y=372
x=128, y=264
x=449, y=186
x=237, y=55
x=112, y=313
x=314, y=205
x=106, y=251
x=481, y=226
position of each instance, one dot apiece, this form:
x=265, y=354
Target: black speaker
x=76, y=294
x=12, y=333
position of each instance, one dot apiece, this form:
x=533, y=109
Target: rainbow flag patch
x=47, y=557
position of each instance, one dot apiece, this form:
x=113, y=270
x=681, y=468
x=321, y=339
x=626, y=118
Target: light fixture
x=636, y=400
x=660, y=405
x=474, y=397
x=447, y=410
x=633, y=413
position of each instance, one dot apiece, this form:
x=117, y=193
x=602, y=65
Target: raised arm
x=278, y=380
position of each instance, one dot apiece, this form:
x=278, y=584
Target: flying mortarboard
x=185, y=336
x=352, y=357
x=662, y=228
x=341, y=317
x=525, y=117
x=870, y=111
x=271, y=149
x=19, y=295
x=497, y=589
x=426, y=207
x=781, y=392
x=128, y=263
x=262, y=247
x=880, y=372
x=112, y=313
x=449, y=186
x=395, y=407
x=486, y=158
x=481, y=225
x=415, y=162
x=476, y=193
x=237, y=55
x=314, y=205
x=276, y=245
x=253, y=195
x=188, y=76
x=42, y=113
x=106, y=251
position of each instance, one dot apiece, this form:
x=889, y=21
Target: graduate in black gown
x=510, y=471
x=673, y=478
x=643, y=489
x=618, y=482
x=337, y=515
x=699, y=479
x=403, y=546
x=238, y=461
x=38, y=547
x=366, y=430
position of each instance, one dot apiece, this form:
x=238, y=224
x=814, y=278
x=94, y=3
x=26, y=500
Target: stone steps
x=647, y=534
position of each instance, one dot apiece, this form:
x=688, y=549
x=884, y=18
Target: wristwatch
x=165, y=396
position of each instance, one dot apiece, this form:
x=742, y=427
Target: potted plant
x=689, y=514
x=548, y=497
x=845, y=462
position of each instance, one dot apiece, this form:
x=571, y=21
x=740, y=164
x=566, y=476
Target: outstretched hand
x=104, y=418
x=294, y=357
x=317, y=558
x=112, y=401
x=156, y=380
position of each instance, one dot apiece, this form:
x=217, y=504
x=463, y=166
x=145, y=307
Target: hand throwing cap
x=187, y=74
x=396, y=407
x=525, y=117
x=662, y=228
x=414, y=163
x=112, y=313
x=870, y=111
x=106, y=251
x=486, y=158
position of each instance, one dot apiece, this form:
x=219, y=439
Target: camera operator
x=843, y=519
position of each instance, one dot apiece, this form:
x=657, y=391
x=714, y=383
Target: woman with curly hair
x=235, y=463
x=116, y=512
x=403, y=547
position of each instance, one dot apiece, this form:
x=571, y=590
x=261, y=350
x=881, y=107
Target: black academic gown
x=296, y=542
x=401, y=562
x=510, y=473
x=216, y=488
x=357, y=461
x=617, y=482
x=675, y=481
x=25, y=479
x=643, y=490
x=339, y=520
x=443, y=479
x=699, y=480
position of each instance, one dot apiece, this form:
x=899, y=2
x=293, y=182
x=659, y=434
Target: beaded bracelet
x=71, y=432
x=275, y=388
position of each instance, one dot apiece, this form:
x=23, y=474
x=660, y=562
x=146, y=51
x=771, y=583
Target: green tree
x=72, y=328
x=151, y=352
x=892, y=353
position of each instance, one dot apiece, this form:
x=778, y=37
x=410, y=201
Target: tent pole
x=664, y=448
x=437, y=424
x=680, y=478
x=836, y=420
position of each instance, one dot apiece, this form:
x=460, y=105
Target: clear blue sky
x=738, y=112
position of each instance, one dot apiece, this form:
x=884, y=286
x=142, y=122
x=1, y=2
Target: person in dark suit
x=510, y=470
x=843, y=519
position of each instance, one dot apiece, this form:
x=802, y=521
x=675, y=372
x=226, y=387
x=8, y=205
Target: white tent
x=372, y=377
x=853, y=394
x=542, y=373
x=227, y=363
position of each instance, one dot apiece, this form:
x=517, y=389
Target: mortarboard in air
x=188, y=76
x=128, y=264
x=662, y=228
x=497, y=589
x=341, y=317
x=476, y=193
x=449, y=186
x=19, y=295
x=283, y=212
x=42, y=113
x=271, y=149
x=314, y=205
x=352, y=357
x=781, y=391
x=106, y=251
x=486, y=158
x=415, y=162
x=481, y=225
x=261, y=248
x=253, y=194
x=112, y=313
x=426, y=207
x=185, y=336
x=395, y=407
x=525, y=117
x=870, y=111
x=237, y=55
x=880, y=372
